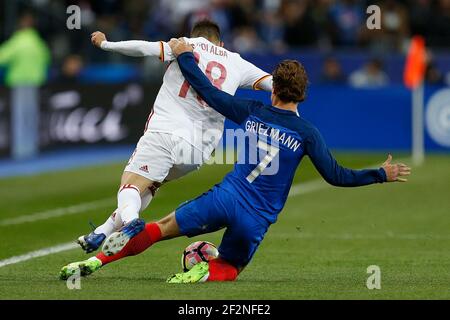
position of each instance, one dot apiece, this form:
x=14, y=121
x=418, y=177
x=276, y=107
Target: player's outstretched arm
x=253, y=77
x=231, y=107
x=337, y=175
x=132, y=48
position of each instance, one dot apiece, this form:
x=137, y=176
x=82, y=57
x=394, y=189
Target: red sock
x=220, y=270
x=139, y=243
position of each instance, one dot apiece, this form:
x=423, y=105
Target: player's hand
x=97, y=38
x=396, y=171
x=179, y=46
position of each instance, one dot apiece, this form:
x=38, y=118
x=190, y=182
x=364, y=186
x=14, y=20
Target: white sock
x=128, y=203
x=145, y=201
x=107, y=228
x=113, y=223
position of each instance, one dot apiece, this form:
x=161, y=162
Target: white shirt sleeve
x=254, y=78
x=139, y=48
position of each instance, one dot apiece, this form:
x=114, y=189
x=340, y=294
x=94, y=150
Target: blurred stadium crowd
x=248, y=27
x=48, y=72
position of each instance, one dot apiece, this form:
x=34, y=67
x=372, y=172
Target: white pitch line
x=297, y=189
x=346, y=236
x=58, y=212
x=38, y=253
x=307, y=187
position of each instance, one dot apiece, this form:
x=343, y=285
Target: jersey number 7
x=272, y=152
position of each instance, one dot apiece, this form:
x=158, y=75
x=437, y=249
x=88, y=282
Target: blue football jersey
x=267, y=161
x=275, y=141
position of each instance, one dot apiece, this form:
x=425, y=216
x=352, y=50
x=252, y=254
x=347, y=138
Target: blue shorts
x=218, y=209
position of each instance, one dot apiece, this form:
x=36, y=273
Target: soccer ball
x=197, y=252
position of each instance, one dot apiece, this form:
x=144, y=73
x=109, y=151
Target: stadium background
x=93, y=107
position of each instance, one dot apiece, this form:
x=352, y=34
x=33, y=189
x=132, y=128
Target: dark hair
x=290, y=81
x=206, y=28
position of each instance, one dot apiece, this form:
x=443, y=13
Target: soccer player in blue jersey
x=250, y=197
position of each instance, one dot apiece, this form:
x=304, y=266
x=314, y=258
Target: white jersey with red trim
x=179, y=110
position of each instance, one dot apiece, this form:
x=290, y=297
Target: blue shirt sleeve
x=334, y=173
x=235, y=109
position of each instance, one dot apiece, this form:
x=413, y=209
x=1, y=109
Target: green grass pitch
x=319, y=249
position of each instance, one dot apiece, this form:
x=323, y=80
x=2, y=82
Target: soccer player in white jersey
x=181, y=131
